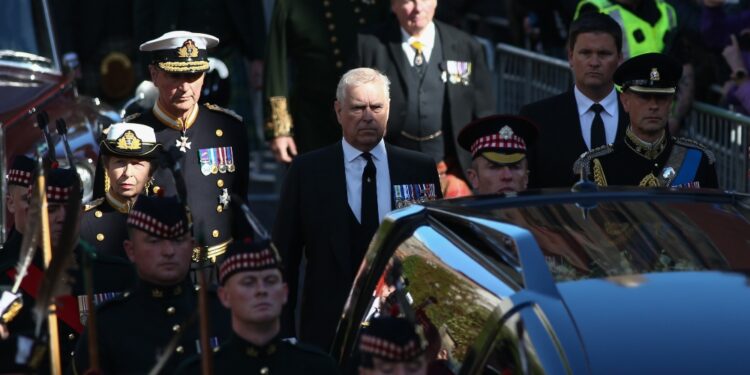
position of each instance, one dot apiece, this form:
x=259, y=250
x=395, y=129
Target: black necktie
x=598, y=138
x=369, y=207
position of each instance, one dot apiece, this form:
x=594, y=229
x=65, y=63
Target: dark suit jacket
x=314, y=218
x=560, y=140
x=463, y=103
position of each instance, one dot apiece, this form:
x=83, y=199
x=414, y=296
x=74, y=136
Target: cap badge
x=128, y=141
x=506, y=132
x=188, y=49
x=654, y=76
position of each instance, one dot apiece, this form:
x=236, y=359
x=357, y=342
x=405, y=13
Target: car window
x=626, y=238
x=25, y=38
x=434, y=283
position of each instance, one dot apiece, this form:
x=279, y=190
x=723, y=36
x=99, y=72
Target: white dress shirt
x=427, y=39
x=610, y=115
x=354, y=165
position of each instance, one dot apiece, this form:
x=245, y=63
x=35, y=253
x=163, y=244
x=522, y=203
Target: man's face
x=56, y=213
x=381, y=367
x=594, y=59
x=18, y=205
x=363, y=115
x=414, y=15
x=649, y=113
x=487, y=177
x=178, y=92
x=255, y=297
x=127, y=176
x=158, y=260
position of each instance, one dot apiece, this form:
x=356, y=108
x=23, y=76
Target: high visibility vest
x=639, y=36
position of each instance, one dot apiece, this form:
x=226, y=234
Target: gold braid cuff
x=211, y=252
x=280, y=123
x=599, y=177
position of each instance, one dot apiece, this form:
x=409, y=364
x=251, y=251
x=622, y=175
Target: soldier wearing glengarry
x=647, y=155
x=127, y=157
x=208, y=144
x=136, y=330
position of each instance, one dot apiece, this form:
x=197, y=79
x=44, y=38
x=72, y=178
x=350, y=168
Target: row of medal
x=457, y=72
x=216, y=160
x=406, y=195
x=99, y=298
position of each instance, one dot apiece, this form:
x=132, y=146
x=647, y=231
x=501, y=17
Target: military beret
x=180, y=51
x=130, y=140
x=391, y=339
x=499, y=138
x=163, y=217
x=651, y=73
x=21, y=171
x=248, y=255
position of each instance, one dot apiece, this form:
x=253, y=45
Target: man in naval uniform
x=254, y=290
x=134, y=331
x=127, y=155
x=439, y=83
x=647, y=155
x=206, y=144
x=498, y=148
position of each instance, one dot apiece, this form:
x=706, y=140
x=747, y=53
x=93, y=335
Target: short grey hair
x=360, y=76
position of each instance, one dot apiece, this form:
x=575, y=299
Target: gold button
x=71, y=337
x=356, y=9
x=220, y=183
x=156, y=189
x=362, y=21
x=98, y=213
x=334, y=39
x=339, y=64
x=326, y=3
x=264, y=371
x=219, y=132
x=176, y=328
x=180, y=349
x=100, y=237
x=215, y=233
x=219, y=208
x=336, y=51
x=331, y=27
x=171, y=310
x=329, y=14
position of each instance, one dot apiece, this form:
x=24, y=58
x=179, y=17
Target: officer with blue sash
x=648, y=155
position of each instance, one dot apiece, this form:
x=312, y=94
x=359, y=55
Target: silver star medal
x=183, y=143
x=224, y=198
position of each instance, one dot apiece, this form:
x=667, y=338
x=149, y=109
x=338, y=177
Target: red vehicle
x=34, y=80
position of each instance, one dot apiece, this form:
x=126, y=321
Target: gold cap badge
x=188, y=49
x=654, y=76
x=128, y=141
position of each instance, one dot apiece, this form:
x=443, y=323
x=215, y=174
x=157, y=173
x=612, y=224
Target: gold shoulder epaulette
x=227, y=111
x=93, y=204
x=131, y=117
x=584, y=161
x=687, y=142
x=280, y=123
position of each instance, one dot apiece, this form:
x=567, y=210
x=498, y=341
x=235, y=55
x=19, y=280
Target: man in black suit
x=334, y=198
x=586, y=117
x=440, y=82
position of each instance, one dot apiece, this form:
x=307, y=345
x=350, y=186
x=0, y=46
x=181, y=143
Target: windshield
x=25, y=37
x=626, y=238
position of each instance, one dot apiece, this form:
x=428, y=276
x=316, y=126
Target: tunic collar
x=121, y=206
x=648, y=150
x=160, y=291
x=175, y=122
x=257, y=351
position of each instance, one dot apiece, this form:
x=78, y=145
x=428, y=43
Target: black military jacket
x=104, y=227
x=216, y=137
x=630, y=163
x=277, y=357
x=135, y=330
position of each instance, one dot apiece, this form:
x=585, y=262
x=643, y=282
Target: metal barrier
x=524, y=77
